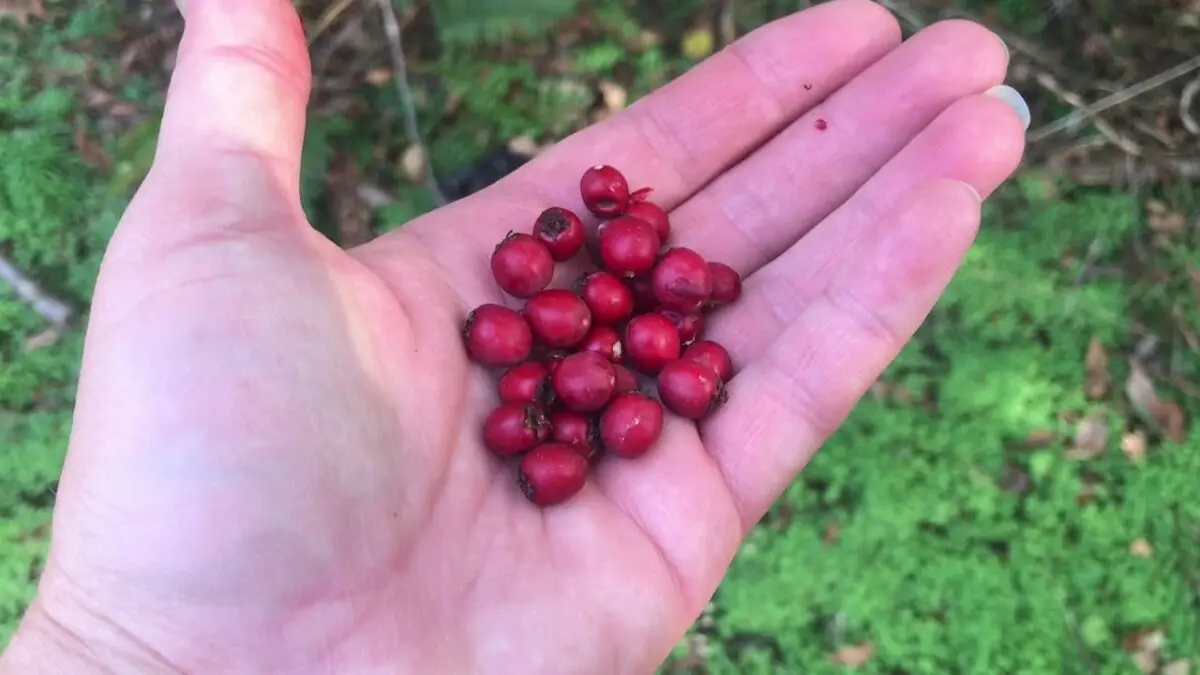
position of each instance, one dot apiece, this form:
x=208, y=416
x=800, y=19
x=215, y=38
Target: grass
x=945, y=529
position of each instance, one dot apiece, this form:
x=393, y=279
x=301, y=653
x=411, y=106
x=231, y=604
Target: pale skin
x=275, y=464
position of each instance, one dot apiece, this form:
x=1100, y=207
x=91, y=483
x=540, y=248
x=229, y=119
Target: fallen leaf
x=22, y=10
x=91, y=150
x=698, y=43
x=377, y=77
x=350, y=211
x=1140, y=548
x=1040, y=438
x=614, y=95
x=523, y=145
x=1095, y=365
x=1167, y=415
x=1162, y=220
x=412, y=163
x=41, y=340
x=1091, y=438
x=1145, y=648
x=1180, y=667
x=853, y=656
x=1134, y=446
x=832, y=534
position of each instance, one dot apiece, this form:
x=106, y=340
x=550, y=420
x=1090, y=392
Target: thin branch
x=1185, y=106
x=1050, y=84
x=50, y=308
x=728, y=22
x=411, y=130
x=327, y=18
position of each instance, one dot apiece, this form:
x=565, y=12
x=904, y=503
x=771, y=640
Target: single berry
x=512, y=429
x=626, y=380
x=608, y=298
x=631, y=424
x=655, y=215
x=576, y=430
x=690, y=326
x=522, y=265
x=726, y=284
x=605, y=191
x=605, y=341
x=585, y=381
x=713, y=355
x=551, y=474
x=643, y=294
x=651, y=342
x=640, y=194
x=561, y=231
x=526, y=383
x=497, y=336
x=681, y=280
x=558, y=318
x=628, y=246
x=690, y=389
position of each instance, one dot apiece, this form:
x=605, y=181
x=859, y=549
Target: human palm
x=276, y=465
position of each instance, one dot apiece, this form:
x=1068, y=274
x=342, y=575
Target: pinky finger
x=785, y=404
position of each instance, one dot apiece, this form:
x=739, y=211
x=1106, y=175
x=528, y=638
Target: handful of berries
x=571, y=392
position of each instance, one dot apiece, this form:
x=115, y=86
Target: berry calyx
x=496, y=336
x=607, y=297
x=628, y=246
x=712, y=355
x=690, y=389
x=605, y=341
x=561, y=231
x=726, y=284
x=605, y=191
x=526, y=383
x=690, y=326
x=558, y=318
x=651, y=342
x=631, y=425
x=576, y=430
x=654, y=214
x=584, y=382
x=522, y=265
x=512, y=429
x=551, y=474
x=681, y=280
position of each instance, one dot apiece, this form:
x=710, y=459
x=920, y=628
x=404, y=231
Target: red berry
x=643, y=294
x=605, y=341
x=651, y=342
x=640, y=194
x=713, y=355
x=526, y=383
x=626, y=380
x=605, y=191
x=628, y=246
x=655, y=215
x=681, y=280
x=576, y=430
x=690, y=389
x=558, y=318
x=512, y=429
x=585, y=381
x=608, y=298
x=690, y=326
x=631, y=424
x=561, y=231
x=522, y=265
x=726, y=283
x=497, y=336
x=551, y=474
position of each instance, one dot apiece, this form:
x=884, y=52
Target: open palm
x=276, y=464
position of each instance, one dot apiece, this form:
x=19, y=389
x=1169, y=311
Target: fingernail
x=1007, y=54
x=1014, y=100
x=971, y=189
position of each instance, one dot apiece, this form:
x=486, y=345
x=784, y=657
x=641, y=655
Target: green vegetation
x=999, y=504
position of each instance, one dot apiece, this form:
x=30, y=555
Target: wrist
x=45, y=644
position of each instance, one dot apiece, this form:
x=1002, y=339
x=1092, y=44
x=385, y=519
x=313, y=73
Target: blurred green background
x=1020, y=492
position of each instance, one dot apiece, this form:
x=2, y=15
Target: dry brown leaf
x=91, y=150
x=1134, y=446
x=350, y=211
x=1091, y=438
x=1095, y=365
x=1169, y=417
x=1164, y=221
x=22, y=10
x=1180, y=667
x=1040, y=438
x=1140, y=548
x=832, y=534
x=853, y=656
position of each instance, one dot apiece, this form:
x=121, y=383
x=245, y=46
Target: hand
x=275, y=464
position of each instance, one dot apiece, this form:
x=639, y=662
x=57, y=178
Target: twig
x=1185, y=106
x=728, y=22
x=411, y=131
x=1050, y=84
x=902, y=10
x=327, y=18
x=1118, y=98
x=50, y=308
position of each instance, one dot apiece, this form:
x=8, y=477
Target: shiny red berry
x=681, y=280
x=628, y=246
x=584, y=381
x=558, y=318
x=608, y=298
x=551, y=474
x=631, y=424
x=605, y=341
x=713, y=355
x=561, y=231
x=626, y=380
x=640, y=194
x=651, y=341
x=526, y=383
x=522, y=265
x=690, y=326
x=726, y=284
x=512, y=429
x=497, y=336
x=655, y=215
x=605, y=191
x=690, y=389
x=576, y=430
